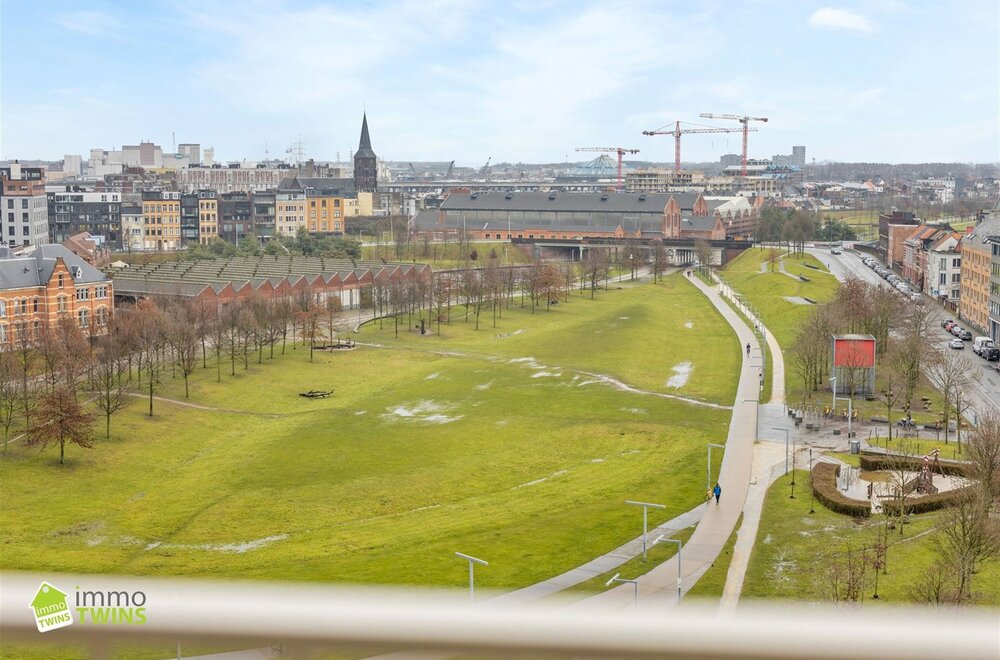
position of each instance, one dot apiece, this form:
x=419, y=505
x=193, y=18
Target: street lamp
x=777, y=428
x=646, y=506
x=811, y=495
x=634, y=583
x=756, y=417
x=708, y=466
x=850, y=407
x=679, y=546
x=472, y=582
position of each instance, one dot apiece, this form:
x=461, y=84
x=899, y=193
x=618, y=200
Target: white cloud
x=89, y=22
x=839, y=19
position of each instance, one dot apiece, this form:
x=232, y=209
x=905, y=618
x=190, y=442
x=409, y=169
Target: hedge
x=874, y=462
x=925, y=503
x=824, y=485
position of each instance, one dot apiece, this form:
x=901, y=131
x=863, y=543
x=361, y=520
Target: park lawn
x=415, y=456
x=711, y=584
x=793, y=546
x=637, y=334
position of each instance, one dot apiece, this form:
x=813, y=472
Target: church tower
x=365, y=162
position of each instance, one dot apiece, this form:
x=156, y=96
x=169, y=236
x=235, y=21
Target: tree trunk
x=62, y=450
x=151, y=395
x=107, y=426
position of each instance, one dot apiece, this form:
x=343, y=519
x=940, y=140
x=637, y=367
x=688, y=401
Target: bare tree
x=658, y=256
x=983, y=451
x=971, y=535
x=845, y=576
x=109, y=379
x=10, y=387
x=595, y=268
x=951, y=372
x=899, y=466
x=182, y=333
x=59, y=418
x=703, y=250
x=892, y=389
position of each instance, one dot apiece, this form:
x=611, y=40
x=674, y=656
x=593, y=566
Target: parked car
x=949, y=325
x=979, y=344
x=835, y=251
x=944, y=323
x=957, y=330
x=956, y=343
x=965, y=335
x=991, y=354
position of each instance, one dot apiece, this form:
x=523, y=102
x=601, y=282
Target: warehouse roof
x=552, y=201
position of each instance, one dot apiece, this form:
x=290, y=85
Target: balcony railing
x=306, y=617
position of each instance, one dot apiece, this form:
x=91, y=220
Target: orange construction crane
x=618, y=150
x=677, y=132
x=743, y=119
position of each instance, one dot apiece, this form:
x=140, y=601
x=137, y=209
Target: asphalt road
x=986, y=392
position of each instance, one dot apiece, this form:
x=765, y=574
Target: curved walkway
x=658, y=587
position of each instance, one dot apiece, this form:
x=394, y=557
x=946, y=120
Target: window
x=34, y=305
x=955, y=277
x=10, y=229
x=59, y=280
x=102, y=316
x=24, y=203
x=943, y=279
x=100, y=292
x=3, y=308
x=84, y=320
x=61, y=304
x=944, y=263
x=26, y=230
x=956, y=263
x=10, y=203
x=83, y=294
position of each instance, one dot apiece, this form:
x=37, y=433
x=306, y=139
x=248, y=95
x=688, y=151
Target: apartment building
x=46, y=284
x=977, y=249
x=944, y=268
x=74, y=211
x=161, y=213
x=24, y=205
x=208, y=216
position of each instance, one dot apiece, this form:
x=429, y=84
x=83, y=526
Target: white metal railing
x=308, y=617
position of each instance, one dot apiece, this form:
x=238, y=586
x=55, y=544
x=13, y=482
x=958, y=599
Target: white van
x=980, y=343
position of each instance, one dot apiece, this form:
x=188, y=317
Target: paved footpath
x=658, y=587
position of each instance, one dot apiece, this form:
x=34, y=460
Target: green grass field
x=417, y=455
x=793, y=548
x=624, y=334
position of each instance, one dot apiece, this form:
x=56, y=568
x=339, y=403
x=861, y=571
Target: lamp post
x=850, y=408
x=634, y=583
x=646, y=506
x=708, y=465
x=472, y=582
x=756, y=417
x=679, y=546
x=777, y=428
x=811, y=496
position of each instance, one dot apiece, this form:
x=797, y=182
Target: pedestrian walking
x=748, y=348
x=717, y=491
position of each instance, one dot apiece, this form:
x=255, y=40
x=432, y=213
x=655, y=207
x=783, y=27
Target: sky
x=515, y=81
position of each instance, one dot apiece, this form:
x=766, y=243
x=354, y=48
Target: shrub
x=824, y=485
x=925, y=503
x=874, y=462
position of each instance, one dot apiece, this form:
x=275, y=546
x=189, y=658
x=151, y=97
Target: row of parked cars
x=895, y=281
x=981, y=346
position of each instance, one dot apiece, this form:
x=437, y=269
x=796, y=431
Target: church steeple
x=365, y=161
x=366, y=142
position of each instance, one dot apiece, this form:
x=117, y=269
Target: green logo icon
x=51, y=609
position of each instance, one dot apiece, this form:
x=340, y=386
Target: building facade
x=25, y=206
x=208, y=216
x=161, y=212
x=75, y=211
x=46, y=285
x=977, y=249
x=133, y=236
x=944, y=269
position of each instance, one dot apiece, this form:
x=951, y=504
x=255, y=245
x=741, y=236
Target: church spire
x=366, y=142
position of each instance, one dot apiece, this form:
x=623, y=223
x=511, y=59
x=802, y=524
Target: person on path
x=717, y=491
x=748, y=348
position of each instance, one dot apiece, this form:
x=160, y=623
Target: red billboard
x=854, y=351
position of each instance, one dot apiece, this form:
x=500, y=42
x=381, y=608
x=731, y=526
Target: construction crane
x=677, y=132
x=485, y=168
x=608, y=150
x=451, y=166
x=743, y=119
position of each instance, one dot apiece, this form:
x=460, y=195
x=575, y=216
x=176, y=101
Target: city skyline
x=467, y=81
